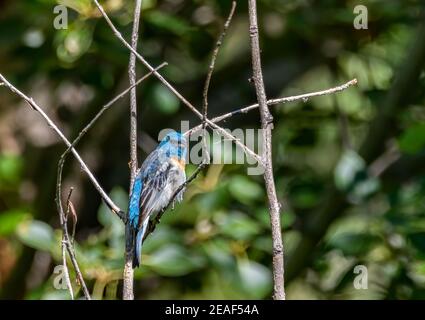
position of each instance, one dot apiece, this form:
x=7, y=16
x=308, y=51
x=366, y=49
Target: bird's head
x=175, y=143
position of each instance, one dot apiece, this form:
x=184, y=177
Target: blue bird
x=159, y=177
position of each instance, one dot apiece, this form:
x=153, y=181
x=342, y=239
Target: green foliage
x=36, y=234
x=10, y=170
x=165, y=100
x=9, y=221
x=412, y=140
x=173, y=260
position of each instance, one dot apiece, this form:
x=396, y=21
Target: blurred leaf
x=83, y=7
x=162, y=236
x=264, y=243
x=167, y=22
x=105, y=216
x=173, y=260
x=263, y=217
x=347, y=169
x=238, y=226
x=214, y=200
x=9, y=221
x=219, y=251
x=74, y=41
x=413, y=139
x=10, y=169
x=418, y=241
x=287, y=218
x=304, y=197
x=56, y=295
x=36, y=234
x=351, y=177
x=353, y=243
x=255, y=278
x=111, y=221
x=244, y=189
x=164, y=100
x=363, y=189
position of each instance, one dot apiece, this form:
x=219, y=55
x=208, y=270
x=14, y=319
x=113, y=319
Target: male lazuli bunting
x=159, y=177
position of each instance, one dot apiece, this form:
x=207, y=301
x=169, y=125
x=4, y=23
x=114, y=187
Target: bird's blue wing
x=133, y=206
x=150, y=180
x=146, y=192
x=155, y=180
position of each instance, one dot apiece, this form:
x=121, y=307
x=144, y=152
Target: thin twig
x=69, y=247
x=267, y=126
x=87, y=128
x=223, y=132
x=71, y=208
x=208, y=81
x=66, y=270
x=110, y=103
x=50, y=122
x=205, y=162
x=277, y=101
x=74, y=262
x=64, y=262
x=133, y=98
x=128, y=274
x=214, y=58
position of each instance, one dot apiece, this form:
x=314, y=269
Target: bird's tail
x=138, y=241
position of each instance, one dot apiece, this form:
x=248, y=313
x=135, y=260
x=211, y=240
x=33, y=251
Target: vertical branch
x=206, y=159
x=64, y=262
x=133, y=99
x=66, y=243
x=213, y=60
x=208, y=81
x=267, y=126
x=128, y=292
x=219, y=129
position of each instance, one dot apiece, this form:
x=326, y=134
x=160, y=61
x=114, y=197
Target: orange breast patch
x=181, y=163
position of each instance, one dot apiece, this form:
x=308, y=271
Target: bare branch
x=277, y=101
x=172, y=89
x=74, y=262
x=128, y=274
x=267, y=126
x=84, y=131
x=84, y=167
x=66, y=270
x=71, y=208
x=105, y=197
x=133, y=98
x=66, y=243
x=64, y=224
x=64, y=262
x=110, y=103
x=154, y=222
x=214, y=58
